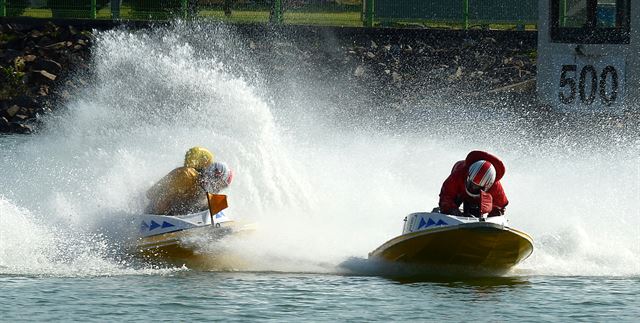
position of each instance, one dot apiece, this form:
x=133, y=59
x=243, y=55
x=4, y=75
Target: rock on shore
x=34, y=62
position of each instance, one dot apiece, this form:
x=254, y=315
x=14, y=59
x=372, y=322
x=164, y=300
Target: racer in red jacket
x=474, y=183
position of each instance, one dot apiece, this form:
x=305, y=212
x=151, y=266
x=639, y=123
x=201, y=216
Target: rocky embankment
x=34, y=63
x=389, y=65
x=393, y=75
x=470, y=63
x=470, y=66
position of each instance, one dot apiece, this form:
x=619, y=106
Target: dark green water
x=209, y=296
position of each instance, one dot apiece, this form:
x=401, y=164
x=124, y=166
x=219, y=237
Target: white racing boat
x=181, y=239
x=436, y=239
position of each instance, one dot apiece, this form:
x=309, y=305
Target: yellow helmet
x=198, y=158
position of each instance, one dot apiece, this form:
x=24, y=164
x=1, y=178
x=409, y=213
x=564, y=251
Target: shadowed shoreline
x=43, y=63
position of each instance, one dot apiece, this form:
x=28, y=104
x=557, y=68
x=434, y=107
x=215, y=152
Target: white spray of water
x=321, y=194
x=31, y=247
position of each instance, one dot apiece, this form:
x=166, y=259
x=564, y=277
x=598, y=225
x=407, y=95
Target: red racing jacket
x=453, y=192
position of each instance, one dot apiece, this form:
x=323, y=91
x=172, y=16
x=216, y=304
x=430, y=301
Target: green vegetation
x=11, y=80
x=238, y=16
x=16, y=7
x=347, y=19
x=156, y=10
x=74, y=8
x=249, y=16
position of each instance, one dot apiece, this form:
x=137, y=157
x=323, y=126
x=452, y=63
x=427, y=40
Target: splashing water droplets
x=322, y=191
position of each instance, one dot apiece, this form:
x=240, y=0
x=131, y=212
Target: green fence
x=323, y=12
x=240, y=11
x=501, y=11
x=418, y=10
x=96, y=9
x=457, y=13
x=75, y=9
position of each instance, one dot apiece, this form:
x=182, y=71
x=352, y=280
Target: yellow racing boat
x=188, y=239
x=435, y=239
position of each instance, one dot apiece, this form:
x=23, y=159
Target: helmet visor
x=473, y=188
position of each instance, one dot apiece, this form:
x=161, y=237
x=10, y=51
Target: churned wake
x=321, y=191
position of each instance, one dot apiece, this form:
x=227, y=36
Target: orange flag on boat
x=217, y=203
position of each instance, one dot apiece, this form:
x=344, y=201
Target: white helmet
x=216, y=177
x=482, y=174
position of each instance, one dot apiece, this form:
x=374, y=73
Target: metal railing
x=461, y=13
x=456, y=12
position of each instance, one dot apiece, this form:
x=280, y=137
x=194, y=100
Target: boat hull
x=192, y=239
x=469, y=245
x=180, y=244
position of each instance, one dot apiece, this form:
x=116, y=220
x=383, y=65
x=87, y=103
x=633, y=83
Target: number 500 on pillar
x=589, y=83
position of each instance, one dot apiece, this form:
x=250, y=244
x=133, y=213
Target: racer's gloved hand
x=486, y=202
